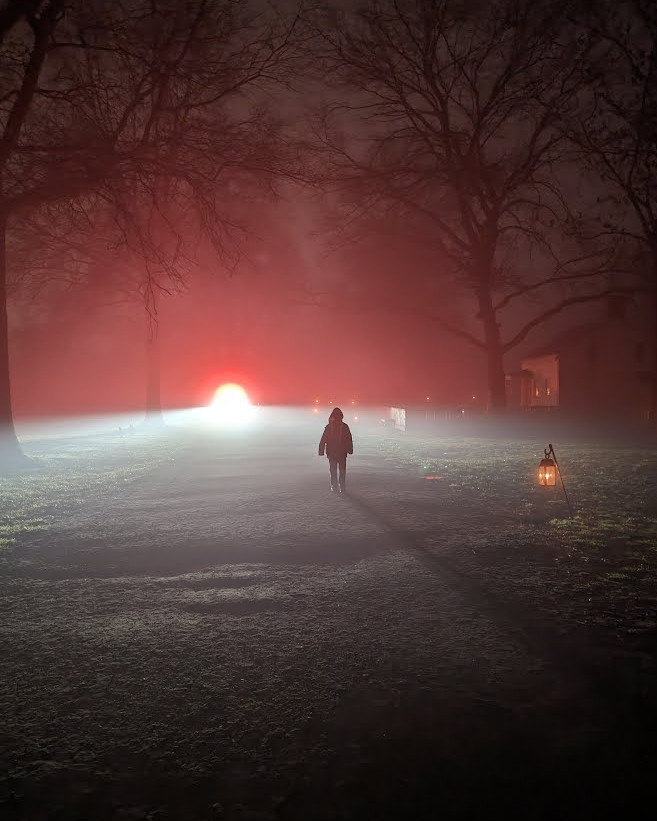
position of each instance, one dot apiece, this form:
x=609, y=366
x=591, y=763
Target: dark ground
x=194, y=628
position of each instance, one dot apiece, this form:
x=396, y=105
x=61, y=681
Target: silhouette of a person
x=337, y=442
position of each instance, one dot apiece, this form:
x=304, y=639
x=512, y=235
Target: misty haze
x=328, y=410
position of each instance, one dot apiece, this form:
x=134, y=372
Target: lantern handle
x=549, y=453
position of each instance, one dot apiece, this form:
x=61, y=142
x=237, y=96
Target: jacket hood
x=337, y=414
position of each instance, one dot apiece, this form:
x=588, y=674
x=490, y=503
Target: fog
x=283, y=324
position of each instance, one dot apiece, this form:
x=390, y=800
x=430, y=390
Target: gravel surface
x=194, y=627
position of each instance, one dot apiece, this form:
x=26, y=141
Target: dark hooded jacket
x=336, y=439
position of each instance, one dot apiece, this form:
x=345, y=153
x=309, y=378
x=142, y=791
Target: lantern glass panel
x=547, y=473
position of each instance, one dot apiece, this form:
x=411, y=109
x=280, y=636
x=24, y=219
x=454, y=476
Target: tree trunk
x=653, y=392
x=494, y=355
x=153, y=395
x=652, y=347
x=496, y=376
x=10, y=451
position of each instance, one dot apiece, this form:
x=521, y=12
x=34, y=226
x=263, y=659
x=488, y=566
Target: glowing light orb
x=230, y=406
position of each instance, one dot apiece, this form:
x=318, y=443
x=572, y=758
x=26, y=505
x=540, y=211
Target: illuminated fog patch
x=230, y=406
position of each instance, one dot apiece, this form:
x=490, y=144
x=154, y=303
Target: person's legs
x=342, y=464
x=333, y=467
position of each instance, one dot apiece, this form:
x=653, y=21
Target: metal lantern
x=547, y=471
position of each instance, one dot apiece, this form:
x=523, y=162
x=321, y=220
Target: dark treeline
x=512, y=142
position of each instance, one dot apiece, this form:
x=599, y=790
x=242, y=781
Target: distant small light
x=462, y=410
x=428, y=398
x=474, y=397
x=315, y=410
x=316, y=401
x=433, y=477
x=355, y=418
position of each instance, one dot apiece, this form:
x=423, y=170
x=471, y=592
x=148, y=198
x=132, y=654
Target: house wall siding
x=544, y=391
x=597, y=373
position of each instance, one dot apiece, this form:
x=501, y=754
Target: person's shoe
x=334, y=489
x=343, y=489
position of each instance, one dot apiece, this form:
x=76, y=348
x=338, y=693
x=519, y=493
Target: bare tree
x=446, y=119
x=150, y=107
x=616, y=135
x=15, y=10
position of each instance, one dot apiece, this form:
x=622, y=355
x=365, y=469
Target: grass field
x=597, y=567
x=473, y=499
x=195, y=625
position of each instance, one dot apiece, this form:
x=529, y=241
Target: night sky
x=294, y=314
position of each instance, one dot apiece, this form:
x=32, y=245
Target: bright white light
x=230, y=406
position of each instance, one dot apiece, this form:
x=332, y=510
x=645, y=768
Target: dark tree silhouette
x=106, y=101
x=616, y=134
x=447, y=118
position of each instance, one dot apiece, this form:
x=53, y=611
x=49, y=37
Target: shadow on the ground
x=103, y=558
x=614, y=684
